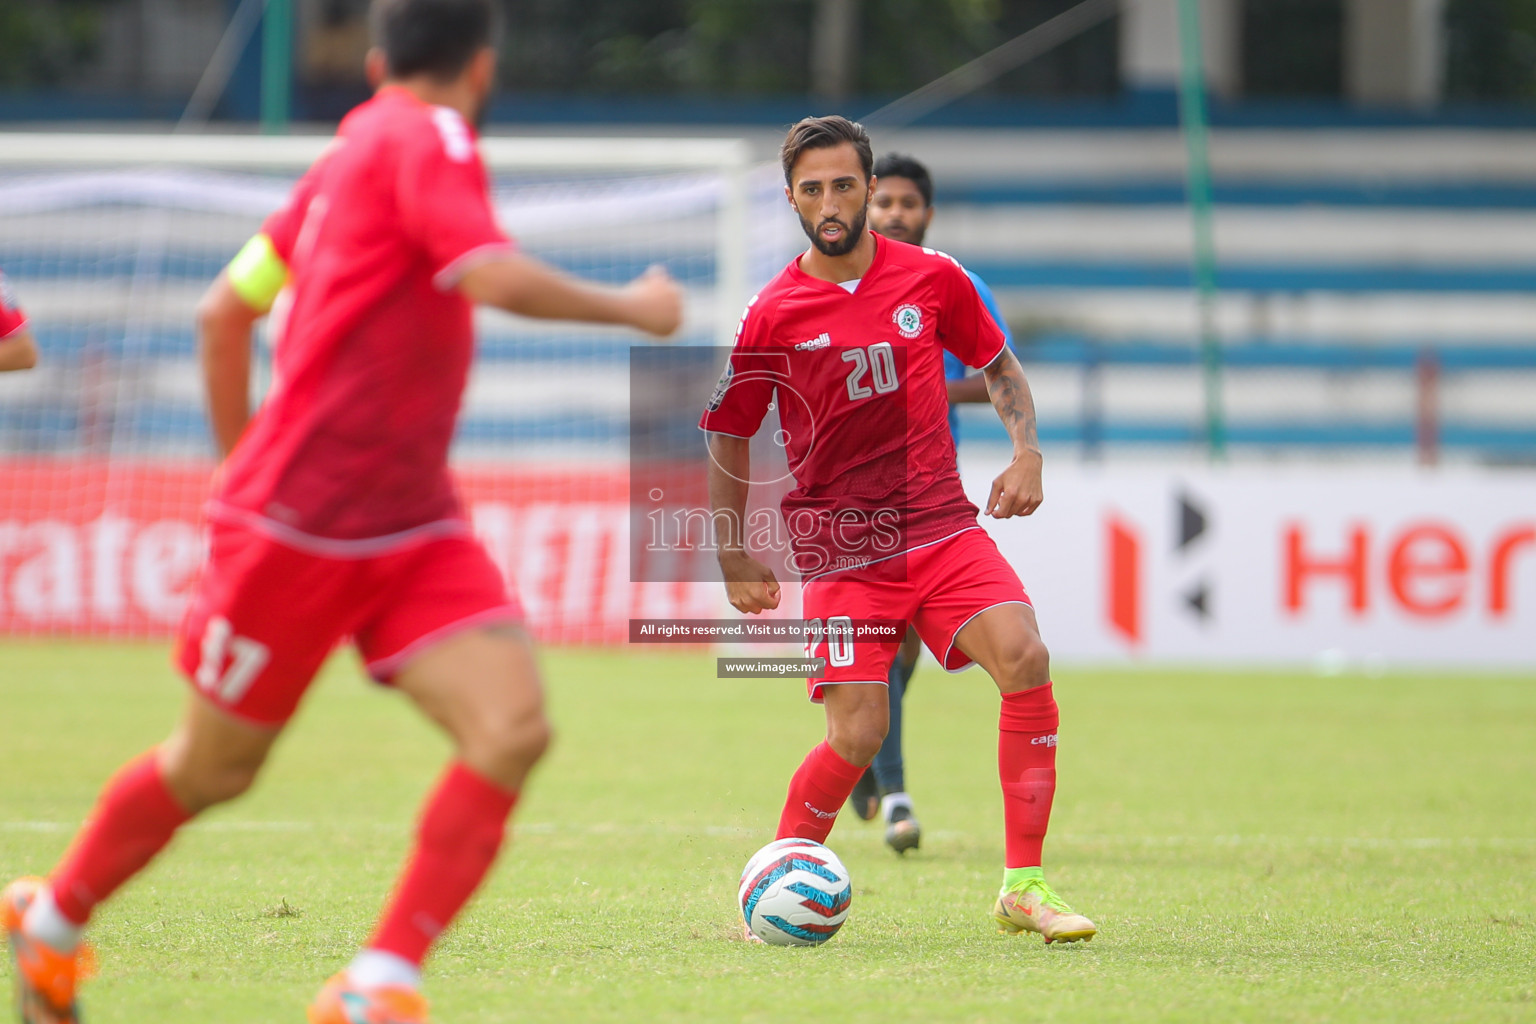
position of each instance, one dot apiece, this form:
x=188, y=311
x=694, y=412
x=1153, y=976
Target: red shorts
x=264, y=616
x=945, y=585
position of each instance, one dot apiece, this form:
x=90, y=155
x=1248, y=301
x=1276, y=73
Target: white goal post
x=731, y=159
x=105, y=452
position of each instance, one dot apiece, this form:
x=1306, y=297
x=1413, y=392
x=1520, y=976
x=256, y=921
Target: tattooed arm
x=1018, y=491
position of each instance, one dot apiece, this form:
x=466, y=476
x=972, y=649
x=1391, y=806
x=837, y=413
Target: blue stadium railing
x=55, y=421
x=1262, y=277
x=1421, y=428
x=1158, y=191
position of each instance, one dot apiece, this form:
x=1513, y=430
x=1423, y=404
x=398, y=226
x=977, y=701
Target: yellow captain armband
x=258, y=273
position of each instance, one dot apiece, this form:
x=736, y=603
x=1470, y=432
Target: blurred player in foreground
x=18, y=349
x=335, y=515
x=846, y=342
x=902, y=209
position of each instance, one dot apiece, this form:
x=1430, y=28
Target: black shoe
x=865, y=797
x=902, y=832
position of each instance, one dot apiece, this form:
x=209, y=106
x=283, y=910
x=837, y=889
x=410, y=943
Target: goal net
x=105, y=452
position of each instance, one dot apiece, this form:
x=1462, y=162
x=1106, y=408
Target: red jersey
x=12, y=319
x=858, y=382
x=349, y=453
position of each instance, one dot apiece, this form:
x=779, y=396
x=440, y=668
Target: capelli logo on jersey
x=822, y=340
x=908, y=320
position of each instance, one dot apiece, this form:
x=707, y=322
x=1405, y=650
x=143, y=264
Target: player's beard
x=843, y=246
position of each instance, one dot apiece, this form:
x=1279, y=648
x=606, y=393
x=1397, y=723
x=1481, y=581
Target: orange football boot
x=45, y=977
x=342, y=1002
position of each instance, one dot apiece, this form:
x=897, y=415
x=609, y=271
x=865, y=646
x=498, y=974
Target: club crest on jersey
x=822, y=340
x=908, y=320
x=722, y=387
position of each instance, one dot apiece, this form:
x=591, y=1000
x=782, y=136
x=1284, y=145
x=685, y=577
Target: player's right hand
x=749, y=584
x=656, y=302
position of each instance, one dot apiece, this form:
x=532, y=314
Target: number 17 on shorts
x=228, y=664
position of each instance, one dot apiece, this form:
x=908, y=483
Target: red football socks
x=135, y=818
x=458, y=838
x=816, y=793
x=1026, y=765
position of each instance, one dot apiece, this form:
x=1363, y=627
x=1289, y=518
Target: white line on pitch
x=631, y=829
x=527, y=828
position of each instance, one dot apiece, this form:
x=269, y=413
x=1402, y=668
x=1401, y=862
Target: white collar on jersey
x=850, y=286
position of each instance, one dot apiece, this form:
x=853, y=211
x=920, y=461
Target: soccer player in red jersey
x=335, y=515
x=847, y=343
x=902, y=209
x=18, y=349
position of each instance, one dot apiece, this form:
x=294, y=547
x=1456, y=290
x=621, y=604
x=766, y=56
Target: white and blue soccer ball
x=795, y=892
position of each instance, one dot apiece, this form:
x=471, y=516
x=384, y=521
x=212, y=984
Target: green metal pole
x=276, y=66
x=1198, y=185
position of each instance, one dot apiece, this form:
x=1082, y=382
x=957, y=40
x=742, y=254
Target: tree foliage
x=1490, y=49
x=1293, y=48
x=763, y=47
x=44, y=42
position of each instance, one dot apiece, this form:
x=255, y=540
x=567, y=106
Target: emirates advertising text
x=1345, y=570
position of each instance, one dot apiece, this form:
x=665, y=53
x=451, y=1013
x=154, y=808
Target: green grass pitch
x=1254, y=846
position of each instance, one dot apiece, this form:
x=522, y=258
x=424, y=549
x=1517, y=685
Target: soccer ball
x=795, y=892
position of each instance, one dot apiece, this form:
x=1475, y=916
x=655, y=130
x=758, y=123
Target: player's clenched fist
x=657, y=302
x=749, y=584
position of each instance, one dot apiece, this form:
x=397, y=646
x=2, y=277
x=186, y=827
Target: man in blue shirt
x=902, y=208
